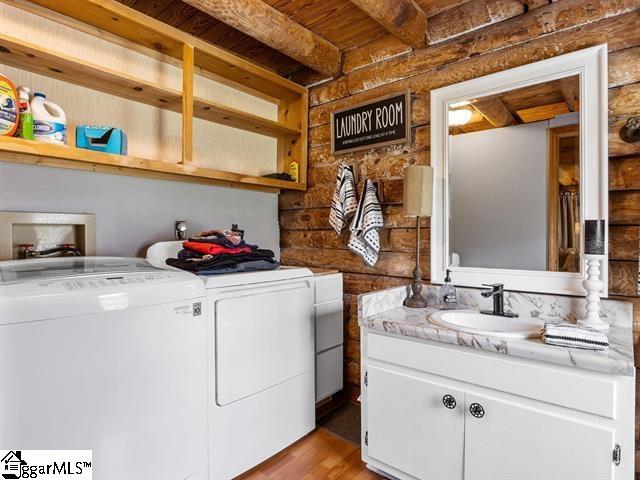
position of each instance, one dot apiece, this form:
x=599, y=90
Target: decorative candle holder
x=593, y=285
x=594, y=239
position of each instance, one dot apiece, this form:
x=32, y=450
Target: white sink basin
x=471, y=321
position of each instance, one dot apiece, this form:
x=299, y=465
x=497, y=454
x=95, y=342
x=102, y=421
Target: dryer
x=106, y=354
x=260, y=331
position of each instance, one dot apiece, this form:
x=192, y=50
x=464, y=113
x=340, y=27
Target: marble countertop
x=415, y=322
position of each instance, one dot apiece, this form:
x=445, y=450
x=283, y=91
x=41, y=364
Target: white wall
x=132, y=213
x=499, y=197
x=145, y=209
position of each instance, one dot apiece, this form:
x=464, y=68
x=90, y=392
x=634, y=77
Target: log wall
x=485, y=45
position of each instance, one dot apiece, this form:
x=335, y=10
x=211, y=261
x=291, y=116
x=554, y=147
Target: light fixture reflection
x=459, y=117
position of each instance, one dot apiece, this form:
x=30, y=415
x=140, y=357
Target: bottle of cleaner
x=49, y=120
x=448, y=297
x=25, y=127
x=8, y=107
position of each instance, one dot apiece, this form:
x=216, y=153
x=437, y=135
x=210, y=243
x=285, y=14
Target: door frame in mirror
x=591, y=65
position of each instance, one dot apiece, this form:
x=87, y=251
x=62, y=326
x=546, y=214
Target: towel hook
x=379, y=189
x=354, y=169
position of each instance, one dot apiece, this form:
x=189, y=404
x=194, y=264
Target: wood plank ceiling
x=535, y=103
x=339, y=22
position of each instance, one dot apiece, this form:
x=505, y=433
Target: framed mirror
x=520, y=161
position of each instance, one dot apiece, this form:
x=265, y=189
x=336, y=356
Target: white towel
x=570, y=335
x=365, y=240
x=344, y=203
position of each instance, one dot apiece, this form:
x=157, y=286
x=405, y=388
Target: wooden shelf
x=118, y=19
x=214, y=112
x=111, y=20
x=20, y=54
x=20, y=149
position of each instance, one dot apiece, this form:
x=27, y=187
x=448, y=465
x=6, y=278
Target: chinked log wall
x=478, y=38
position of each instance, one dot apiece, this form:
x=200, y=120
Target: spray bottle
x=25, y=127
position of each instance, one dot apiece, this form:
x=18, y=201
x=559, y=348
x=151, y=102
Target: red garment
x=213, y=249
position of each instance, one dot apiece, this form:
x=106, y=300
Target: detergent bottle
x=25, y=127
x=8, y=107
x=49, y=120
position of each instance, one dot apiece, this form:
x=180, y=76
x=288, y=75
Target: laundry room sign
x=383, y=121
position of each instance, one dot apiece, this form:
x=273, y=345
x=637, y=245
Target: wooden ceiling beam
x=495, y=112
x=471, y=16
x=543, y=112
x=271, y=27
x=402, y=18
x=570, y=89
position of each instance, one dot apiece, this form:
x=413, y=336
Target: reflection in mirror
x=514, y=179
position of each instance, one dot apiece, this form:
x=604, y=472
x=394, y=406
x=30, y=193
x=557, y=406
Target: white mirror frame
x=591, y=65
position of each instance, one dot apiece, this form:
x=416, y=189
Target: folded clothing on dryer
x=225, y=261
x=232, y=237
x=215, y=249
x=221, y=241
x=215, y=252
x=251, y=266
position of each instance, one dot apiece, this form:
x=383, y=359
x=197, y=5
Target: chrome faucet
x=497, y=292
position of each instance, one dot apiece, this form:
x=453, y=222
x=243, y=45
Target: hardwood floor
x=321, y=455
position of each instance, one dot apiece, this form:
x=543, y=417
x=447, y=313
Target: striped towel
x=365, y=240
x=570, y=335
x=344, y=202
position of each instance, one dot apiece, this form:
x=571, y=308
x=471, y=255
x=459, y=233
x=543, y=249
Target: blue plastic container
x=101, y=139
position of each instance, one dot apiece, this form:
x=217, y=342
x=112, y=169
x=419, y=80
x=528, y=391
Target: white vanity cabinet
x=433, y=411
x=403, y=413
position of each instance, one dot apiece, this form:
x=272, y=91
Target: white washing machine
x=107, y=354
x=261, y=334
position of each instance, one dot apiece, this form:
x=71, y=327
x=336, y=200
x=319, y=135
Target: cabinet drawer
x=329, y=325
x=328, y=373
x=328, y=288
x=564, y=386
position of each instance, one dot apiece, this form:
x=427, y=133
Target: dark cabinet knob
x=449, y=401
x=476, y=410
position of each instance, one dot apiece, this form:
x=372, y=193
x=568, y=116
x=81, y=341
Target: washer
x=261, y=338
x=107, y=354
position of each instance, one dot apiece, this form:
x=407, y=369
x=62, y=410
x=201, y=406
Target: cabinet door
x=520, y=442
x=410, y=428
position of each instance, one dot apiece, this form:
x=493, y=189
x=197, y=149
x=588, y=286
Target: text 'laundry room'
x=319, y=240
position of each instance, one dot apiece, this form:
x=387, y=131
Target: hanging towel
x=570, y=335
x=344, y=202
x=365, y=240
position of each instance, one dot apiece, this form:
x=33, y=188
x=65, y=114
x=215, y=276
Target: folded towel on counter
x=365, y=240
x=344, y=202
x=570, y=335
x=215, y=249
x=221, y=261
